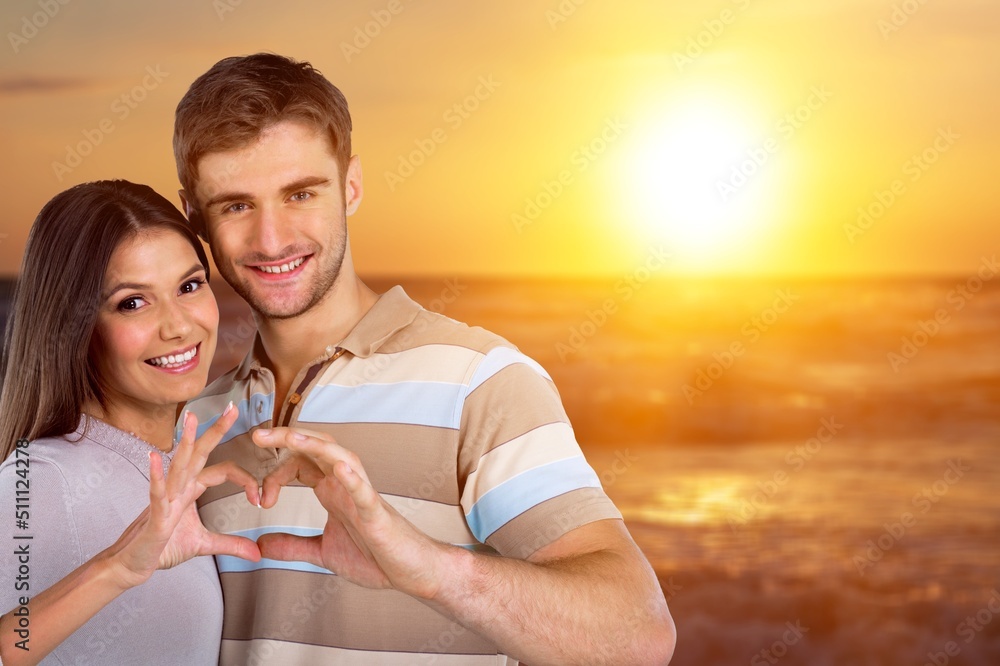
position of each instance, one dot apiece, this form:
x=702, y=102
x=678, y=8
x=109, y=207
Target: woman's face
x=156, y=329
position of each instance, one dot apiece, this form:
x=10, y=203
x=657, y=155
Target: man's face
x=275, y=214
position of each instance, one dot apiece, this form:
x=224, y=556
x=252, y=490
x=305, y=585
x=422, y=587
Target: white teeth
x=174, y=359
x=283, y=268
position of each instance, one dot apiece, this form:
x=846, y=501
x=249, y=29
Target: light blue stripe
x=248, y=418
x=499, y=358
x=515, y=496
x=416, y=403
x=230, y=564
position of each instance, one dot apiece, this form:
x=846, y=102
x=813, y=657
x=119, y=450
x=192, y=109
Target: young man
x=434, y=506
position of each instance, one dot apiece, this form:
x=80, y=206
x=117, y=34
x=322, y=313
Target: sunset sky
x=561, y=137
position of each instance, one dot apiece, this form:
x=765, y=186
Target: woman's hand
x=169, y=531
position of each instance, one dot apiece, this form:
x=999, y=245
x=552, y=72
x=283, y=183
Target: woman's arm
x=164, y=535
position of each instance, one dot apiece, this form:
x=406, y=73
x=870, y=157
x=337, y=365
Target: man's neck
x=292, y=343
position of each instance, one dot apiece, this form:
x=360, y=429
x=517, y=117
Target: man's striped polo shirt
x=465, y=436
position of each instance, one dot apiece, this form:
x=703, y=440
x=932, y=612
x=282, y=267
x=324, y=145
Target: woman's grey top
x=84, y=489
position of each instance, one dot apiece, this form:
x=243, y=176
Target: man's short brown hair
x=229, y=107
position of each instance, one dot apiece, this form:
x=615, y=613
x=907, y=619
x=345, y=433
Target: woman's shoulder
x=60, y=451
x=72, y=454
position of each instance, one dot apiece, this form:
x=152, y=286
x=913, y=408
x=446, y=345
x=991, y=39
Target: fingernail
x=263, y=432
x=299, y=437
x=229, y=408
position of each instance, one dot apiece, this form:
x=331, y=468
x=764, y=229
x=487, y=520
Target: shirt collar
x=392, y=312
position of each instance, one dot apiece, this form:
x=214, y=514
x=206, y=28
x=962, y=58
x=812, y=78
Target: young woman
x=113, y=327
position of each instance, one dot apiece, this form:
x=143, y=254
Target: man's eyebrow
x=302, y=183
x=294, y=186
x=135, y=286
x=223, y=197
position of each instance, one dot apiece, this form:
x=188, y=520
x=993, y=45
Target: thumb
x=291, y=548
x=228, y=544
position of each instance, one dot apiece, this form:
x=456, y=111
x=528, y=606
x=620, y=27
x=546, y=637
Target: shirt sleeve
x=29, y=566
x=524, y=481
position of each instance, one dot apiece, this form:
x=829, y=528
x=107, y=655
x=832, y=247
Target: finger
x=214, y=434
x=220, y=473
x=266, y=436
x=157, y=487
x=189, y=428
x=320, y=447
x=228, y=544
x=292, y=468
x=290, y=548
x=366, y=499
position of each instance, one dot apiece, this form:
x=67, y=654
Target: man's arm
x=589, y=597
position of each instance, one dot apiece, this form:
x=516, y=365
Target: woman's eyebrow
x=139, y=286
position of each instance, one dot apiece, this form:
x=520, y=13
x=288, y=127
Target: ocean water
x=811, y=466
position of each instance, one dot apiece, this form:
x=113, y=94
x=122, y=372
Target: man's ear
x=192, y=214
x=353, y=187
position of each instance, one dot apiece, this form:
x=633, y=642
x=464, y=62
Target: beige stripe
x=298, y=507
x=443, y=522
x=402, y=459
x=432, y=328
x=424, y=467
x=326, y=610
x=241, y=449
x=507, y=405
x=251, y=653
x=430, y=363
x=541, y=446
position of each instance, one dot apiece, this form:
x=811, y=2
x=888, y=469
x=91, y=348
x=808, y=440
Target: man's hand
x=365, y=540
x=588, y=597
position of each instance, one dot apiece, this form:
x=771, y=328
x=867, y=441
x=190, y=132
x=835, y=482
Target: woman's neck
x=156, y=428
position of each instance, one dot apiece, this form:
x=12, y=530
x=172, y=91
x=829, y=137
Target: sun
x=695, y=178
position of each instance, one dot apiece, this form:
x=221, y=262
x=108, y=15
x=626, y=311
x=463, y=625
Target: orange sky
x=740, y=136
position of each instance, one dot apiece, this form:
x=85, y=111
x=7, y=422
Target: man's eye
x=130, y=304
x=301, y=196
x=236, y=208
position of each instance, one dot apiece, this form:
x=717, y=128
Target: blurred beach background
x=754, y=243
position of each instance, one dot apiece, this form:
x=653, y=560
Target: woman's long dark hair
x=46, y=369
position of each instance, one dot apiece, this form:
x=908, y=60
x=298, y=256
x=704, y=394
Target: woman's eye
x=131, y=304
x=192, y=285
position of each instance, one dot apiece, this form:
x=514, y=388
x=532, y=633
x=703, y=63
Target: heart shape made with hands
x=364, y=539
